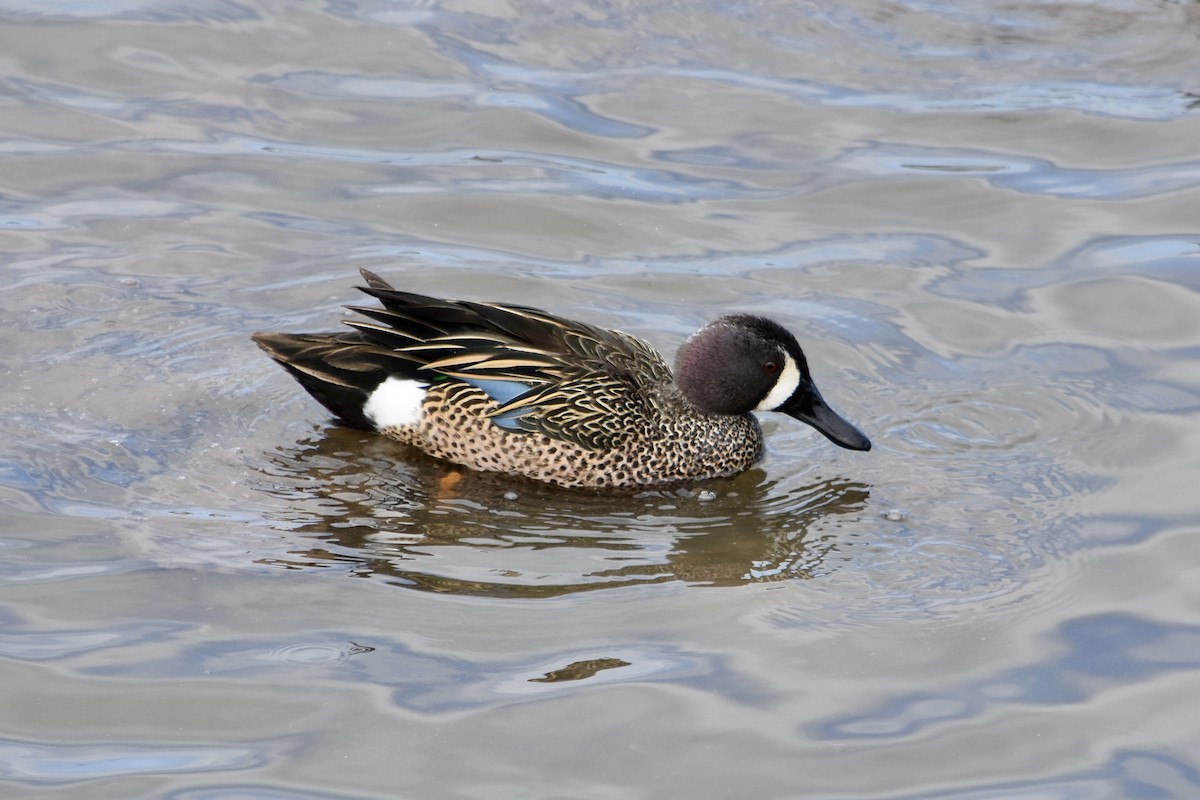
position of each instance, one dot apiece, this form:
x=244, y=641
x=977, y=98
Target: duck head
x=742, y=363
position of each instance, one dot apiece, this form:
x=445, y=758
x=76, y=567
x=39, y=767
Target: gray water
x=982, y=220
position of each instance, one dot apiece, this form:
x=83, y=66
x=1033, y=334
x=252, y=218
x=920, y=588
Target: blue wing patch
x=502, y=392
x=509, y=420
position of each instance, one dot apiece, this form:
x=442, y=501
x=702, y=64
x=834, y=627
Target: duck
x=512, y=389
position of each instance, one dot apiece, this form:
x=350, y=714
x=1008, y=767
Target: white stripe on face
x=395, y=403
x=785, y=385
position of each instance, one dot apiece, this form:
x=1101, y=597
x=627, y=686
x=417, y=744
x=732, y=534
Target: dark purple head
x=742, y=363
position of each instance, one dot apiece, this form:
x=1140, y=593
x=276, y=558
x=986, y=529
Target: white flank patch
x=785, y=384
x=396, y=403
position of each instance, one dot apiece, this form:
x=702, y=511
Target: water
x=980, y=221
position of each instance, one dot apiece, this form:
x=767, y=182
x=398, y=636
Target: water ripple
x=455, y=171
x=41, y=764
x=437, y=681
x=43, y=645
x=123, y=107
x=246, y=791
x=558, y=107
x=1126, y=774
x=1026, y=174
x=1099, y=653
x=204, y=11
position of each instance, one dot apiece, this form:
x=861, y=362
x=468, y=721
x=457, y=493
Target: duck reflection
x=378, y=509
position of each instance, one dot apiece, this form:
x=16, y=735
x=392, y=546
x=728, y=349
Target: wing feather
x=572, y=381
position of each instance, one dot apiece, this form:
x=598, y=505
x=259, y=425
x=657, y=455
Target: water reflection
x=580, y=670
x=377, y=509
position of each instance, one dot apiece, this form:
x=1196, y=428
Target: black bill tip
x=809, y=407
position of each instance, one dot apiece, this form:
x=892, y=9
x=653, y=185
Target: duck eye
x=770, y=367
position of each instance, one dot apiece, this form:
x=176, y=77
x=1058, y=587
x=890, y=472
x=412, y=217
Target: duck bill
x=809, y=407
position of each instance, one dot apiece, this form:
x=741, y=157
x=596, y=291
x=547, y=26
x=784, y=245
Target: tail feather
x=547, y=374
x=340, y=370
x=427, y=318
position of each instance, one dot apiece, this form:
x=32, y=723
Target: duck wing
x=570, y=381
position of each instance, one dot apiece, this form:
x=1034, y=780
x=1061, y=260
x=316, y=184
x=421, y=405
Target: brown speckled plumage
x=516, y=390
x=666, y=442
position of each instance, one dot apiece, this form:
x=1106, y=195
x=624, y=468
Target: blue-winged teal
x=516, y=390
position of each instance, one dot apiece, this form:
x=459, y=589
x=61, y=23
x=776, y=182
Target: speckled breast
x=670, y=445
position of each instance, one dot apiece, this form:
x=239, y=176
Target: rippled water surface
x=982, y=220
